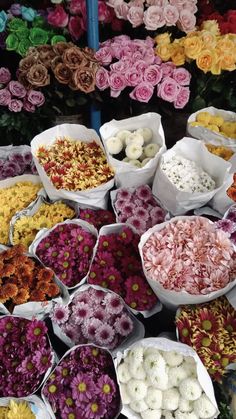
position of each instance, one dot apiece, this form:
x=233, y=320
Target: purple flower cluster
x=16, y=164
x=68, y=251
x=14, y=95
x=25, y=355
x=98, y=218
x=84, y=385
x=138, y=208
x=94, y=316
x=228, y=224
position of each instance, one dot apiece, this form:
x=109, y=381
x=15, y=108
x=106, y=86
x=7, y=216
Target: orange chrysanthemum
x=231, y=192
x=43, y=286
x=7, y=270
x=21, y=297
x=9, y=290
x=37, y=295
x=45, y=275
x=53, y=290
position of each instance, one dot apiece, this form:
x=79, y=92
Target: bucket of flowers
x=83, y=385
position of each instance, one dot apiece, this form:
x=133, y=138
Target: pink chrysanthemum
x=128, y=209
x=105, y=388
x=125, y=236
x=141, y=213
x=233, y=238
x=96, y=296
x=227, y=226
x=100, y=314
x=119, y=204
x=95, y=409
x=70, y=331
x=122, y=218
x=104, y=334
x=95, y=274
x=137, y=223
x=89, y=328
x=104, y=259
x=82, y=387
x=113, y=304
x=124, y=325
x=231, y=214
x=124, y=194
x=81, y=297
x=157, y=214
x=60, y=314
x=43, y=360
x=144, y=192
x=36, y=331
x=82, y=312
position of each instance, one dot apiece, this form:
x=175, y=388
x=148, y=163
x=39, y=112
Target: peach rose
x=192, y=46
x=206, y=60
x=38, y=75
x=177, y=54
x=227, y=62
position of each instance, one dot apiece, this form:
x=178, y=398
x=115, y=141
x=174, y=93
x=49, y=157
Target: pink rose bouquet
x=155, y=14
x=189, y=254
x=132, y=65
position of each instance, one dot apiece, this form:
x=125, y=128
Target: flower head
x=82, y=387
x=124, y=325
x=113, y=303
x=104, y=334
x=60, y=314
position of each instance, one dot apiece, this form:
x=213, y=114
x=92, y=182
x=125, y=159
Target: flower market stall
x=118, y=209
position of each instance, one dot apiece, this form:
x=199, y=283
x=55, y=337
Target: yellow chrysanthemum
x=3, y=412
x=211, y=26
x=20, y=410
x=203, y=117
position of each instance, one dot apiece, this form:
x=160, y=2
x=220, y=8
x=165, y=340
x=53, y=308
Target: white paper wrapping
x=36, y=309
x=221, y=201
x=67, y=353
x=45, y=232
x=208, y=136
x=115, y=229
x=169, y=345
x=37, y=406
x=97, y=196
x=176, y=201
x=126, y=174
x=173, y=299
x=137, y=333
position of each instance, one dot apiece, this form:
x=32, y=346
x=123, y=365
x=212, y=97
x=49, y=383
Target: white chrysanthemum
x=114, y=145
x=191, y=369
x=135, y=163
x=123, y=134
x=151, y=149
x=137, y=371
x=135, y=355
x=189, y=360
x=176, y=375
x=170, y=399
x=185, y=406
x=151, y=414
x=181, y=415
x=133, y=151
x=190, y=389
x=154, y=398
x=173, y=358
x=123, y=373
x=134, y=138
x=167, y=415
x=204, y=408
x=159, y=381
x=146, y=134
x=124, y=394
x=137, y=389
x=150, y=350
x=138, y=406
x=154, y=363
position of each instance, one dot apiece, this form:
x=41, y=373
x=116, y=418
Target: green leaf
x=198, y=103
x=218, y=86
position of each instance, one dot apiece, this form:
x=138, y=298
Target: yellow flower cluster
x=20, y=410
x=75, y=165
x=13, y=199
x=48, y=215
x=212, y=52
x=215, y=123
x=224, y=152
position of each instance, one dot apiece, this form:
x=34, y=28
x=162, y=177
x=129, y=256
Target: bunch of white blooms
x=159, y=384
x=136, y=146
x=186, y=175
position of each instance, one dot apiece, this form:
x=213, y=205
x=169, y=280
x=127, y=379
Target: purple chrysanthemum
x=105, y=388
x=113, y=303
x=141, y=213
x=95, y=409
x=82, y=312
x=137, y=223
x=70, y=331
x=122, y=218
x=82, y=387
x=36, y=330
x=104, y=334
x=124, y=325
x=60, y=314
x=144, y=192
x=43, y=360
x=226, y=225
x=89, y=328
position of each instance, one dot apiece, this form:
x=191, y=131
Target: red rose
x=216, y=16
x=58, y=17
x=231, y=17
x=224, y=28
x=75, y=27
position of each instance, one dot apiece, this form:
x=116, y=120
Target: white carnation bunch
x=134, y=147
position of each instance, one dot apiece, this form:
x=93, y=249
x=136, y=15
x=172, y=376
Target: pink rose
x=143, y=92
x=5, y=97
x=133, y=77
x=168, y=89
x=149, y=56
x=5, y=75
x=15, y=105
x=17, y=89
x=182, y=98
x=140, y=66
x=167, y=68
x=189, y=5
x=182, y=76
x=102, y=78
x=103, y=55
x=36, y=98
x=153, y=74
x=121, y=66
x=76, y=6
x=149, y=42
x=28, y=107
x=135, y=16
x=170, y=14
x=117, y=82
x=121, y=38
x=58, y=17
x=75, y=28
x=187, y=21
x=137, y=3
x=153, y=18
x=121, y=11
x=114, y=3
x=157, y=60
x=177, y=3
x=104, y=12
x=160, y=3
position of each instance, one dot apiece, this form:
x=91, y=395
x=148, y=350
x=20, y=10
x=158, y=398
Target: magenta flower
x=105, y=388
x=113, y=304
x=128, y=209
x=119, y=204
x=36, y=331
x=82, y=312
x=144, y=192
x=104, y=334
x=141, y=213
x=124, y=325
x=59, y=314
x=226, y=225
x=82, y=387
x=124, y=194
x=231, y=214
x=95, y=410
x=89, y=328
x=138, y=223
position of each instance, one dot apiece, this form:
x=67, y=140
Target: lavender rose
x=36, y=98
x=102, y=78
x=168, y=89
x=15, y=105
x=117, y=83
x=17, y=89
x=143, y=92
x=5, y=97
x=5, y=75
x=28, y=106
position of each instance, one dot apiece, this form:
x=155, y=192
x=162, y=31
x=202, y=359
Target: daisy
x=104, y=259
x=104, y=334
x=124, y=194
x=124, y=325
x=95, y=409
x=144, y=192
x=105, y=388
x=82, y=312
x=43, y=360
x=137, y=223
x=82, y=387
x=208, y=321
x=184, y=329
x=60, y=314
x=125, y=236
x=70, y=331
x=113, y=303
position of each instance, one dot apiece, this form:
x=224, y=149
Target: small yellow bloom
x=177, y=54
x=211, y=26
x=216, y=120
x=164, y=51
x=208, y=39
x=193, y=46
x=228, y=128
x=227, y=62
x=20, y=410
x=225, y=45
x=212, y=127
x=162, y=39
x=206, y=60
x=203, y=117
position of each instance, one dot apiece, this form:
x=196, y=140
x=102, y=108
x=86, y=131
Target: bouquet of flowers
x=132, y=63
x=159, y=378
x=156, y=14
x=15, y=161
x=83, y=385
x=193, y=272
x=15, y=196
x=96, y=316
x=210, y=329
x=67, y=249
x=117, y=266
x=208, y=16
x=137, y=207
x=98, y=218
x=26, y=356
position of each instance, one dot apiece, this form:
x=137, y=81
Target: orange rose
x=206, y=60
x=63, y=73
x=193, y=46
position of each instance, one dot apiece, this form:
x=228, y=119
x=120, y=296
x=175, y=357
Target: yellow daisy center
x=82, y=387
x=94, y=407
